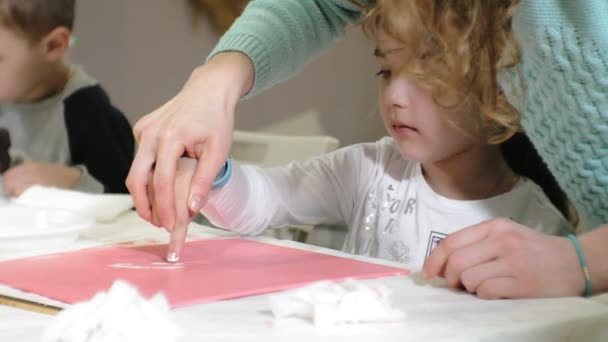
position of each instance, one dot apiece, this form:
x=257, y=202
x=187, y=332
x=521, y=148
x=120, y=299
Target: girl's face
x=424, y=130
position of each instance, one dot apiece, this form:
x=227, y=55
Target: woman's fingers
x=472, y=258
x=205, y=174
x=436, y=263
x=145, y=132
x=170, y=149
x=137, y=180
x=150, y=191
x=499, y=287
x=473, y=277
x=179, y=232
x=185, y=169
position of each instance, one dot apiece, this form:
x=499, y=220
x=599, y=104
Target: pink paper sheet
x=208, y=270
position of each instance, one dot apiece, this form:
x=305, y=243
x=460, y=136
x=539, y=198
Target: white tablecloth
x=434, y=313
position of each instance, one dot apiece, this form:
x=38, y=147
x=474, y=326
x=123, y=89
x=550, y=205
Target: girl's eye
x=384, y=73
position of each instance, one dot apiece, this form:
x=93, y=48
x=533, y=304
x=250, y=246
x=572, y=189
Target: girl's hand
x=502, y=259
x=197, y=122
x=18, y=178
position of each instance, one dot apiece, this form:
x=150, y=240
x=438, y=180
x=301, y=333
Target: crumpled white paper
x=328, y=303
x=119, y=315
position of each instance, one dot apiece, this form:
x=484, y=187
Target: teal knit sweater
x=564, y=64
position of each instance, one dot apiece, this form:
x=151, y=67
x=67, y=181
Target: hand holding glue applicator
x=179, y=231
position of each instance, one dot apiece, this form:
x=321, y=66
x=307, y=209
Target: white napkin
x=328, y=303
x=119, y=315
x=104, y=207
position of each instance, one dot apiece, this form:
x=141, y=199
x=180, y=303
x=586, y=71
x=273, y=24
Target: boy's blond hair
x=36, y=18
x=463, y=44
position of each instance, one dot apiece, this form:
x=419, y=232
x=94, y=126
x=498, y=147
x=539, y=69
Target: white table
x=434, y=313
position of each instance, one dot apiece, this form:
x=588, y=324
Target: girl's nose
x=398, y=93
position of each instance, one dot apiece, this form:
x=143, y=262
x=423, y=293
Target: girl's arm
x=280, y=37
x=320, y=190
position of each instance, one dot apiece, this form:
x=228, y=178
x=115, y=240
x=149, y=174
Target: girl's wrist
x=223, y=175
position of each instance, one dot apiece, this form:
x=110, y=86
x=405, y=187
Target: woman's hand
x=184, y=170
x=502, y=259
x=197, y=122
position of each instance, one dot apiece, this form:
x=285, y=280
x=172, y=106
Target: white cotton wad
x=119, y=315
x=329, y=303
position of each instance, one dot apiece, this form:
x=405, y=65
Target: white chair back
x=267, y=150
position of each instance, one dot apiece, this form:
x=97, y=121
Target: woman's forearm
x=281, y=36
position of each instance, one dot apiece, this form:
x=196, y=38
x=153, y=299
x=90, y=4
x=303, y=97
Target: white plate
x=23, y=227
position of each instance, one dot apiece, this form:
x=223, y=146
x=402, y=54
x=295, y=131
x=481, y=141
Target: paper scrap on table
x=119, y=315
x=328, y=303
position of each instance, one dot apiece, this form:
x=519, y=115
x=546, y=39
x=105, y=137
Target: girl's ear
x=56, y=43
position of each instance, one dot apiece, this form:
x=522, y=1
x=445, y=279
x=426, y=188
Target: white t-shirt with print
x=391, y=211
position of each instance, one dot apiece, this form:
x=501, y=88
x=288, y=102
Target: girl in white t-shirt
x=454, y=157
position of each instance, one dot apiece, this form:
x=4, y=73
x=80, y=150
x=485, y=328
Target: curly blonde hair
x=464, y=45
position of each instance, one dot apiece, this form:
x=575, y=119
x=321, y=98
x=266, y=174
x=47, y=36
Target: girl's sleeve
x=281, y=36
x=320, y=190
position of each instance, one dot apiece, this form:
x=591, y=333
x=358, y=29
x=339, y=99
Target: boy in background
x=64, y=131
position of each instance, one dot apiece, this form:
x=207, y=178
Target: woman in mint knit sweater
x=565, y=112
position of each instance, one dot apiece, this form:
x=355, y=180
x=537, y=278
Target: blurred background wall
x=142, y=52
